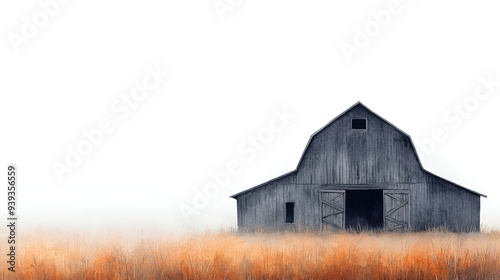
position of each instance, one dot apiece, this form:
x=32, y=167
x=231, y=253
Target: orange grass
x=231, y=255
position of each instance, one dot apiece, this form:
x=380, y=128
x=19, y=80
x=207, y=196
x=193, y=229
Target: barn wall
x=431, y=205
x=453, y=207
x=419, y=206
x=264, y=207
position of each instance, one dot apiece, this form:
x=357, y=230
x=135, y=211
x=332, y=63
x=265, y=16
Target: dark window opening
x=364, y=209
x=358, y=123
x=289, y=212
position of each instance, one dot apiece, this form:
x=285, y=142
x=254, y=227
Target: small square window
x=290, y=212
x=358, y=123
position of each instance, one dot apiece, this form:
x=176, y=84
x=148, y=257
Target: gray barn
x=359, y=171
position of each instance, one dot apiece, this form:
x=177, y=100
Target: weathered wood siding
x=451, y=207
x=340, y=158
x=341, y=155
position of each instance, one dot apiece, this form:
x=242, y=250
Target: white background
x=226, y=78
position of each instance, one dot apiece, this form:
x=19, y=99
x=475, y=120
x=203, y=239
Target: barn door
x=332, y=209
x=396, y=210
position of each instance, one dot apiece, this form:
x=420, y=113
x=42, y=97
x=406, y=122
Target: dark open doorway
x=364, y=209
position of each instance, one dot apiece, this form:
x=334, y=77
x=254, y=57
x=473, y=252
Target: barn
x=359, y=171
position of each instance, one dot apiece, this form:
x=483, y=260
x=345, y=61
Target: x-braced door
x=396, y=210
x=332, y=209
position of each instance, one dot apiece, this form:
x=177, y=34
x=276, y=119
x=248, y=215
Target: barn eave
x=455, y=184
x=263, y=184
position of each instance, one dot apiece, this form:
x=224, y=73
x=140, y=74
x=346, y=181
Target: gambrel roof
x=358, y=104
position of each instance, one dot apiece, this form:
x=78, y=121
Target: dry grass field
x=231, y=255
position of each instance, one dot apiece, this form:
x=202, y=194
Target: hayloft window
x=289, y=212
x=358, y=123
